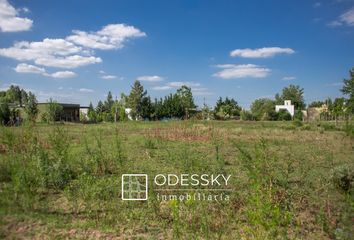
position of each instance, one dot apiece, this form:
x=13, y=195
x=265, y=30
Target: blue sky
x=76, y=51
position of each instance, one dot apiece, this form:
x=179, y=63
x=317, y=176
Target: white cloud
x=335, y=84
x=288, y=78
x=317, y=4
x=108, y=77
x=67, y=62
x=200, y=91
x=154, y=78
x=170, y=85
x=162, y=88
x=265, y=52
x=230, y=71
x=63, y=74
x=27, y=68
x=25, y=10
x=334, y=23
x=51, y=53
x=9, y=19
x=111, y=36
x=346, y=18
x=180, y=84
x=86, y=90
x=102, y=72
x=73, y=51
x=35, y=50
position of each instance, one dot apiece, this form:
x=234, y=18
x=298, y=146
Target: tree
x=13, y=94
x=246, y=115
x=31, y=107
x=284, y=115
x=91, y=113
x=293, y=93
x=264, y=109
x=109, y=101
x=4, y=113
x=147, y=109
x=338, y=108
x=185, y=98
x=226, y=109
x=53, y=111
x=24, y=97
x=316, y=104
x=100, y=109
x=135, y=98
x=348, y=89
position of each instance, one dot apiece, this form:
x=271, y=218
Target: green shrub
x=343, y=177
x=297, y=123
x=284, y=115
x=349, y=130
x=328, y=126
x=246, y=115
x=306, y=127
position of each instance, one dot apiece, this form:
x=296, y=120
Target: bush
x=328, y=126
x=306, y=127
x=284, y=115
x=297, y=123
x=298, y=115
x=246, y=115
x=349, y=130
x=343, y=177
x=4, y=113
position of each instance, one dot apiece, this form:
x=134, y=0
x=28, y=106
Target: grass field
x=289, y=181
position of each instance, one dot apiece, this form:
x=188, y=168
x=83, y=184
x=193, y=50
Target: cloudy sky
x=76, y=51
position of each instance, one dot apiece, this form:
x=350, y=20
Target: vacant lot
x=289, y=181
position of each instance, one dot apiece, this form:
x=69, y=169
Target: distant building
x=128, y=112
x=287, y=106
x=70, y=112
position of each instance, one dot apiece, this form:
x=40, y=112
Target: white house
x=287, y=106
x=128, y=113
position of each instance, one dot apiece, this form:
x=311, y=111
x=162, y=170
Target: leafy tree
x=348, y=89
x=316, y=104
x=293, y=93
x=13, y=94
x=338, y=108
x=24, y=97
x=135, y=98
x=185, y=99
x=100, y=109
x=4, y=113
x=264, y=109
x=226, y=109
x=147, y=109
x=246, y=115
x=31, y=107
x=53, y=111
x=284, y=115
x=91, y=113
x=206, y=112
x=109, y=101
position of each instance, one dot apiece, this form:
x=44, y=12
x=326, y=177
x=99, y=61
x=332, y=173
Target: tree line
x=178, y=105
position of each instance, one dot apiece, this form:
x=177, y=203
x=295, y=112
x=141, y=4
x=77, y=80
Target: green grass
x=289, y=180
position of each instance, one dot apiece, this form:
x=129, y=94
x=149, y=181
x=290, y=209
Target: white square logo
x=134, y=187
